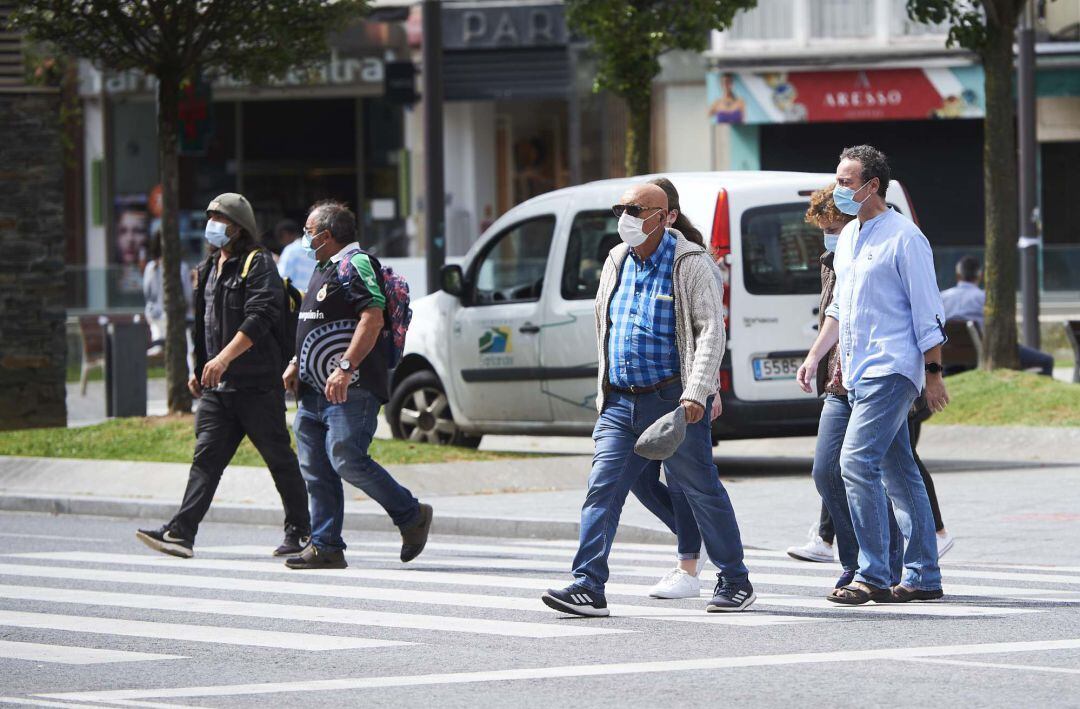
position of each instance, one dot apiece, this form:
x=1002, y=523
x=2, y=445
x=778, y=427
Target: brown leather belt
x=651, y=389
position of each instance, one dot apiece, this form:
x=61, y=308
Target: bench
x=92, y=328
x=1072, y=332
x=963, y=351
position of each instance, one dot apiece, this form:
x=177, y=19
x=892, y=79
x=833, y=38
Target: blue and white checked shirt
x=641, y=343
x=886, y=299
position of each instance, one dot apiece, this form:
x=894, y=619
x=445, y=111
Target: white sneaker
x=676, y=584
x=817, y=549
x=944, y=542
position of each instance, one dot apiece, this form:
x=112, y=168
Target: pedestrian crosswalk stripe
x=1048, y=575
x=319, y=614
x=398, y=595
x=809, y=579
x=532, y=584
x=69, y=655
x=698, y=665
x=187, y=633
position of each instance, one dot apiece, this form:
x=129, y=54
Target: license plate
x=776, y=368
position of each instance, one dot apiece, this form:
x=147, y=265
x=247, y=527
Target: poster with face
x=131, y=242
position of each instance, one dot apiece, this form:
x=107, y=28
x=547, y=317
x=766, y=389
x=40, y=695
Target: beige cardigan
x=699, y=318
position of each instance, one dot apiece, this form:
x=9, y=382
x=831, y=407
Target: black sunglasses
x=634, y=210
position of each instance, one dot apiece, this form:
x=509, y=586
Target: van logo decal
x=495, y=340
x=750, y=322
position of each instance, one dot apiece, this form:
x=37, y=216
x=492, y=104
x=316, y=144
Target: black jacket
x=251, y=305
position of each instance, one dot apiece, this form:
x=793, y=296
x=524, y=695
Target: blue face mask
x=305, y=242
x=215, y=234
x=830, y=241
x=844, y=199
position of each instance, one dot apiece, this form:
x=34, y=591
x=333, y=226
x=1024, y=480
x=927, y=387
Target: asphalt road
x=90, y=617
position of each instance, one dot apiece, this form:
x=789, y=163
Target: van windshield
x=780, y=251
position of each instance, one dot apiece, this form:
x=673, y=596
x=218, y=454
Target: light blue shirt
x=296, y=265
x=964, y=301
x=886, y=299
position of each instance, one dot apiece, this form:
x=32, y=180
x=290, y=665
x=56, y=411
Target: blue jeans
x=332, y=442
x=668, y=503
x=616, y=468
x=877, y=466
x=832, y=428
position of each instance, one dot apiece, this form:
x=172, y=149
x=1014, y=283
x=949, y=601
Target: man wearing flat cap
x=660, y=336
x=238, y=365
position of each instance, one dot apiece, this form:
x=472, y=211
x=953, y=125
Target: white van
x=508, y=345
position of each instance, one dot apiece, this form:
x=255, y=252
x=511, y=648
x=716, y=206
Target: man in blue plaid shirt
x=660, y=335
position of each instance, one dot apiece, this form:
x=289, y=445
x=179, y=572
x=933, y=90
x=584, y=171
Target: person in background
x=967, y=301
x=237, y=379
x=154, y=294
x=293, y=263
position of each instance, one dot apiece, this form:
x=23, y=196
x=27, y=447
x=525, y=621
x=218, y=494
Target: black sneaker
x=294, y=543
x=414, y=539
x=576, y=600
x=729, y=596
x=314, y=558
x=166, y=541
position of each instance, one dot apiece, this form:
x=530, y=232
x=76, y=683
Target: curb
x=357, y=521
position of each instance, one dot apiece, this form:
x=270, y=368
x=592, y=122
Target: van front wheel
x=420, y=411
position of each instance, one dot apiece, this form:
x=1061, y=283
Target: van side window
x=780, y=251
x=511, y=268
x=592, y=235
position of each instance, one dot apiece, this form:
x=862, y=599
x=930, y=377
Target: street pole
x=434, y=187
x=1030, y=238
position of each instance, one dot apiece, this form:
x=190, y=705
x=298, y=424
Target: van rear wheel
x=420, y=411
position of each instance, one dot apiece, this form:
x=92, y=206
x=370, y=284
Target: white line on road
x=495, y=581
x=307, y=642
x=542, y=673
x=995, y=665
x=803, y=580
x=69, y=655
x=55, y=536
x=397, y=595
x=317, y=614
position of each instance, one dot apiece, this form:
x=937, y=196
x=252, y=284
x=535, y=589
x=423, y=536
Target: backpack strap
x=247, y=263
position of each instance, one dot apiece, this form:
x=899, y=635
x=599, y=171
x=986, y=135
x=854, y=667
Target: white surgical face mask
x=216, y=233
x=630, y=230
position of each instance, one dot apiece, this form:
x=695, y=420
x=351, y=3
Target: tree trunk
x=1000, y=178
x=639, y=130
x=176, y=367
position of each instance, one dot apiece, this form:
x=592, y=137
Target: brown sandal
x=858, y=593
x=902, y=594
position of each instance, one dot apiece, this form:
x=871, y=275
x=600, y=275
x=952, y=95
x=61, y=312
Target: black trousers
x=825, y=523
x=221, y=422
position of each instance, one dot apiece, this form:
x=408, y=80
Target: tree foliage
x=253, y=39
x=175, y=41
x=629, y=36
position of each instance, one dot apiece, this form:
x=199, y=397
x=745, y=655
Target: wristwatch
x=345, y=365
x=934, y=368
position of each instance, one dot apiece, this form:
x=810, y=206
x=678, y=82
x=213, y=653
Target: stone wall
x=32, y=314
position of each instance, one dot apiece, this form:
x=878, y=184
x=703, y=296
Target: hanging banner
x=838, y=96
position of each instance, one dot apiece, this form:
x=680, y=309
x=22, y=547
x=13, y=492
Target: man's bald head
x=645, y=195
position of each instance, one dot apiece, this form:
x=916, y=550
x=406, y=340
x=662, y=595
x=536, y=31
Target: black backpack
x=285, y=332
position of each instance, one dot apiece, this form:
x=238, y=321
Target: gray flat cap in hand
x=663, y=438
